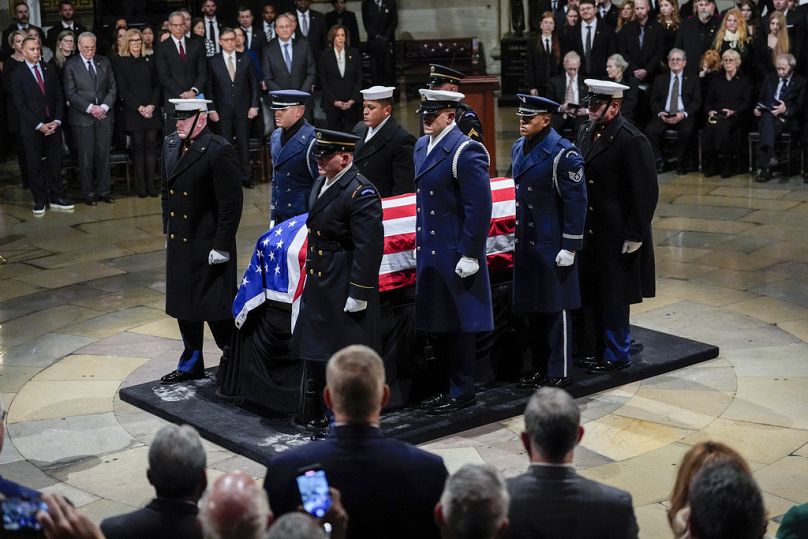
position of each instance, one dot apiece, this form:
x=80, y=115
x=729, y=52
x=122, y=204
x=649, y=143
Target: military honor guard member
x=202, y=201
x=548, y=173
x=294, y=167
x=444, y=78
x=617, y=261
x=340, y=302
x=453, y=215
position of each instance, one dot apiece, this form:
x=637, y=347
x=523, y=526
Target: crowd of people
x=693, y=73
x=383, y=488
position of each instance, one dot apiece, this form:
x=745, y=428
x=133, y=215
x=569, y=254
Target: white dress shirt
x=373, y=130
x=434, y=141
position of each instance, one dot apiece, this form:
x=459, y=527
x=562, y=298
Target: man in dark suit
x=65, y=22
x=180, y=65
x=385, y=149
x=675, y=101
x=202, y=201
x=346, y=18
x=380, y=19
x=640, y=43
x=779, y=108
x=21, y=15
x=177, y=473
x=697, y=34
x=266, y=28
x=288, y=64
x=389, y=488
x=568, y=89
x=90, y=89
x=608, y=12
x=37, y=96
x=310, y=25
x=251, y=32
x=552, y=430
x=592, y=39
x=213, y=27
x=233, y=87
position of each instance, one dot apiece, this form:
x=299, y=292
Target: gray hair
x=176, y=461
x=551, y=420
x=86, y=35
x=678, y=51
x=619, y=61
x=788, y=57
x=572, y=55
x=176, y=14
x=239, y=513
x=296, y=526
x=475, y=502
x=289, y=16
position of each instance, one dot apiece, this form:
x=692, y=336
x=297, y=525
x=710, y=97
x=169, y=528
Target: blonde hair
x=132, y=32
x=355, y=378
x=743, y=31
x=783, y=44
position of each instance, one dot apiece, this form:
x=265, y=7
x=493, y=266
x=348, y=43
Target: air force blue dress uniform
x=453, y=216
x=294, y=168
x=550, y=214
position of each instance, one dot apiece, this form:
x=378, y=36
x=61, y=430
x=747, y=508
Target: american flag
x=276, y=269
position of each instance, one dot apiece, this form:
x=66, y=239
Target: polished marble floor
x=81, y=314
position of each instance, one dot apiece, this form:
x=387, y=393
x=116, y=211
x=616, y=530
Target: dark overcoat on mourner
x=343, y=255
x=622, y=191
x=294, y=171
x=386, y=159
x=202, y=201
x=453, y=216
x=550, y=214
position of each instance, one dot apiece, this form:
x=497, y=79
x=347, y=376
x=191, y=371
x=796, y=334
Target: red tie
x=182, y=51
x=41, y=84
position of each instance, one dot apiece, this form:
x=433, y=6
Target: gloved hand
x=271, y=224
x=466, y=267
x=355, y=305
x=218, y=257
x=565, y=258
x=631, y=246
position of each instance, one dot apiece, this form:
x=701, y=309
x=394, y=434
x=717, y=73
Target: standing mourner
x=617, y=261
x=340, y=302
x=202, y=202
x=453, y=215
x=548, y=173
x=294, y=167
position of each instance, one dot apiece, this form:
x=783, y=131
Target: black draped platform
x=248, y=406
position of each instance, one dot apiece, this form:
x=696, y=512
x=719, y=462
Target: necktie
x=268, y=31
x=287, y=57
x=673, y=102
x=554, y=5
x=93, y=74
x=40, y=81
x=588, y=49
x=247, y=37
x=569, y=96
x=304, y=24
x=182, y=51
x=781, y=88
x=231, y=67
x=547, y=45
x=212, y=34
x=642, y=35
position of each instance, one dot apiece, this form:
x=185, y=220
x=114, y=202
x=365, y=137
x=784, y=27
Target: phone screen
x=20, y=515
x=313, y=487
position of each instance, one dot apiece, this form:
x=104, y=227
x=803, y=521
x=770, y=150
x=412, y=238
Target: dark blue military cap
x=282, y=99
x=530, y=105
x=439, y=74
x=328, y=142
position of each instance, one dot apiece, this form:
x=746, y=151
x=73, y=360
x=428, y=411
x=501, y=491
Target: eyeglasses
x=135, y=40
x=676, y=59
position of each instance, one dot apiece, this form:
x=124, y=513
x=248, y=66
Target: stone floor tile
x=110, y=324
x=600, y=405
x=676, y=209
x=44, y=350
x=786, y=290
x=33, y=325
x=770, y=310
x=785, y=478
x=13, y=288
x=124, y=299
x=454, y=458
x=761, y=443
x=669, y=253
x=510, y=459
x=753, y=191
x=78, y=257
x=737, y=202
x=87, y=242
x=770, y=401
x=25, y=473
x=740, y=243
x=739, y=280
x=774, y=216
x=702, y=225
x=681, y=408
x=87, y=367
x=775, y=507
x=131, y=345
x=802, y=451
x=140, y=262
x=12, y=377
x=653, y=521
x=681, y=270
x=78, y=273
x=77, y=497
x=254, y=469
x=485, y=435
x=166, y=328
x=779, y=232
x=586, y=458
x=735, y=261
x=9, y=453
x=101, y=509
x=711, y=376
x=142, y=426
x=48, y=299
x=793, y=251
x=50, y=400
x=620, y=438
x=701, y=293
x=144, y=245
x=12, y=269
x=785, y=361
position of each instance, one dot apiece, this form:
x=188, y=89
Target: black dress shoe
x=635, y=348
x=532, y=381
x=107, y=199
x=449, y=405
x=586, y=361
x=764, y=175
x=431, y=402
x=681, y=171
x=318, y=428
x=175, y=377
x=608, y=366
x=558, y=381
x=142, y=195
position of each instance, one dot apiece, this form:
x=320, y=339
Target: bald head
x=234, y=507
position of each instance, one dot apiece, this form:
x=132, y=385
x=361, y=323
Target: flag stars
x=244, y=282
x=277, y=270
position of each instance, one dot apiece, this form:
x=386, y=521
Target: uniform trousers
x=192, y=332
x=604, y=332
x=551, y=343
x=457, y=352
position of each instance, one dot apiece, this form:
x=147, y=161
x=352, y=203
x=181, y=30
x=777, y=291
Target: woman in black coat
x=729, y=99
x=543, y=57
x=341, y=98
x=139, y=90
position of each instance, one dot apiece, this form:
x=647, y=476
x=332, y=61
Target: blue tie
x=287, y=57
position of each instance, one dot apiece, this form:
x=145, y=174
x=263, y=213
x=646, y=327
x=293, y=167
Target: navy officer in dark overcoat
x=202, y=202
x=548, y=173
x=340, y=302
x=453, y=217
x=617, y=261
x=294, y=168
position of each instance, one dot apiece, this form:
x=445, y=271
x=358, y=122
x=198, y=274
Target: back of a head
x=725, y=503
x=552, y=418
x=296, y=526
x=177, y=462
x=474, y=503
x=355, y=379
x=234, y=507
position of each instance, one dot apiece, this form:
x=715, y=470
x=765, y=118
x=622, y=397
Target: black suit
x=554, y=501
x=346, y=19
x=35, y=107
x=647, y=57
x=56, y=29
x=260, y=37
x=387, y=158
x=380, y=25
x=793, y=95
x=540, y=65
x=690, y=90
x=602, y=48
x=338, y=87
x=177, y=75
x=232, y=101
x=388, y=488
x=277, y=76
x=694, y=38
x=723, y=136
x=161, y=518
x=317, y=32
x=557, y=90
x=610, y=16
x=9, y=50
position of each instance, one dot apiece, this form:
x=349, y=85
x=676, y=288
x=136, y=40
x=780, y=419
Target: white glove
x=631, y=246
x=355, y=305
x=271, y=224
x=565, y=258
x=466, y=267
x=218, y=257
